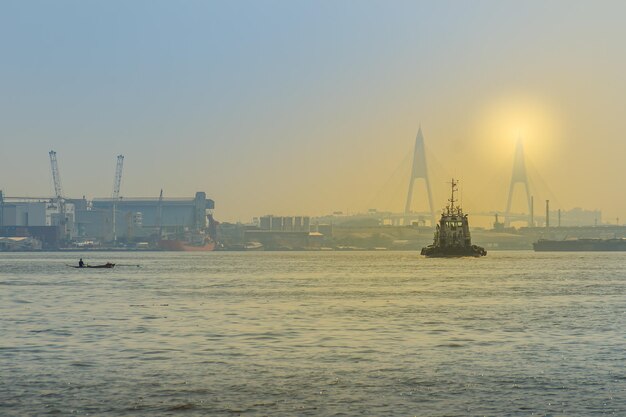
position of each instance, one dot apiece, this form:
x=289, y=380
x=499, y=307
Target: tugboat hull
x=453, y=252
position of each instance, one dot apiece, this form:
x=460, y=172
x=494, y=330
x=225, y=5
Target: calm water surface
x=328, y=334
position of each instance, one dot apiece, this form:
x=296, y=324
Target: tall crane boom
x=56, y=179
x=116, y=192
x=118, y=177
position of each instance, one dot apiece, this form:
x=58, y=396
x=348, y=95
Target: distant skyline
x=310, y=107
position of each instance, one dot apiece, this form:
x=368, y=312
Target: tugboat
x=452, y=235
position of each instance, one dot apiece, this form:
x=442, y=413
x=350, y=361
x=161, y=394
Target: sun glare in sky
x=531, y=119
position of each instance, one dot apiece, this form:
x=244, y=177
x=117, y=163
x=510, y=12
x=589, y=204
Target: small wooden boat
x=106, y=265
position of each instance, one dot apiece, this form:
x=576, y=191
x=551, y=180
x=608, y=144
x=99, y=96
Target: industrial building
x=285, y=223
x=61, y=221
x=24, y=214
x=284, y=233
x=102, y=219
x=131, y=218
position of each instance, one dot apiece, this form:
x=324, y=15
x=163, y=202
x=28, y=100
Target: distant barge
x=580, y=245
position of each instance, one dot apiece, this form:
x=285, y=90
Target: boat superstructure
x=452, y=234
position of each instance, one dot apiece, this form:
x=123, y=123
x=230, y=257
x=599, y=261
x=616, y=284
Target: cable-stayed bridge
x=419, y=171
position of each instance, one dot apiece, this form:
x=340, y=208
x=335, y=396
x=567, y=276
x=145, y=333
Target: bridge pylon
x=419, y=171
x=518, y=177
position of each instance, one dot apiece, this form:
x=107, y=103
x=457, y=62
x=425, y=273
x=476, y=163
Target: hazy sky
x=298, y=107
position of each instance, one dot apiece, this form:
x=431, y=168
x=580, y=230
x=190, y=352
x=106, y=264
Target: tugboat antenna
x=452, y=200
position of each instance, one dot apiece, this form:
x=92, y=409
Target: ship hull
x=107, y=265
x=182, y=246
x=453, y=252
x=580, y=245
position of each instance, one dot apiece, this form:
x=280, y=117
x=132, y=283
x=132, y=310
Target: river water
x=313, y=334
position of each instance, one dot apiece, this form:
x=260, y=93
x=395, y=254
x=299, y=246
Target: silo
x=288, y=224
x=277, y=223
x=265, y=223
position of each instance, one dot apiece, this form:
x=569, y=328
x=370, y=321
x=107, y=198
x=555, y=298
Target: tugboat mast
x=451, y=208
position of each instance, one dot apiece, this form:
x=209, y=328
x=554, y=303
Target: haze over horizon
x=287, y=108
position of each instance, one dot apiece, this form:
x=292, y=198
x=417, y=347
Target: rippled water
x=352, y=333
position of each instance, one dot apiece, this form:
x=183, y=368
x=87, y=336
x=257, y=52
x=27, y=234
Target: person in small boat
x=81, y=264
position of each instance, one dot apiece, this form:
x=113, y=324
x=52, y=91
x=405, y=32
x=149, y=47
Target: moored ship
x=580, y=245
x=452, y=235
x=183, y=245
x=204, y=240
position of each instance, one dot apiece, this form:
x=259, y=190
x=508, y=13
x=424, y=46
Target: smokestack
x=532, y=211
x=547, y=213
x=559, y=224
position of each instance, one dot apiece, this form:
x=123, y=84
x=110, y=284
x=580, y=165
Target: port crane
x=58, y=191
x=117, y=182
x=118, y=177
